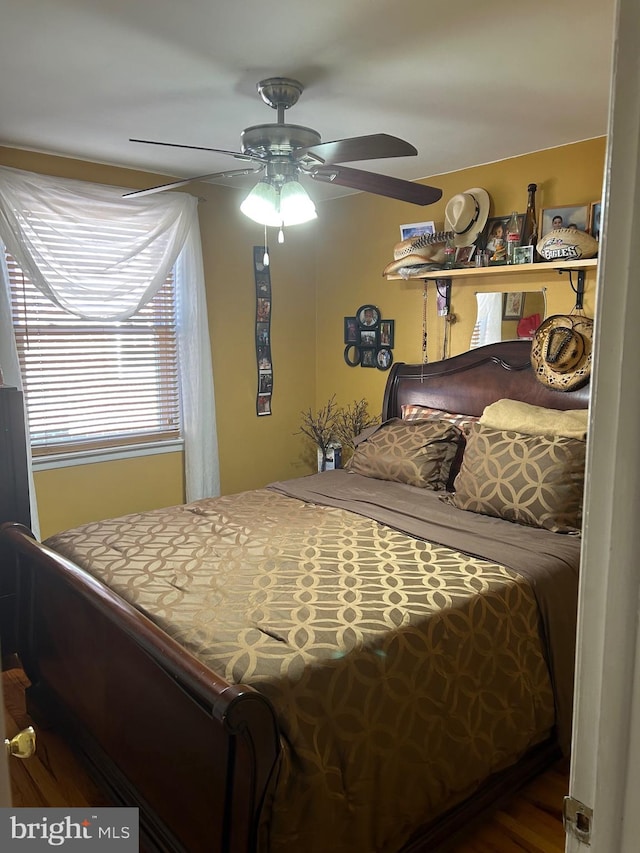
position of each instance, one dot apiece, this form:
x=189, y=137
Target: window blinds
x=94, y=383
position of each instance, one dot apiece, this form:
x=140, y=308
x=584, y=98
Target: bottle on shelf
x=530, y=226
x=513, y=237
x=449, y=255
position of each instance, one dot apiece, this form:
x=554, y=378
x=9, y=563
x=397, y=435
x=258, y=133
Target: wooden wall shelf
x=506, y=269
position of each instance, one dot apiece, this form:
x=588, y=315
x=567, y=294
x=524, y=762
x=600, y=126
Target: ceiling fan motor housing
x=276, y=140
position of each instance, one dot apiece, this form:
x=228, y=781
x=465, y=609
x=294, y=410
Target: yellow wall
x=357, y=235
x=324, y=271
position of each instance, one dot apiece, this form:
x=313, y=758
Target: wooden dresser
x=14, y=502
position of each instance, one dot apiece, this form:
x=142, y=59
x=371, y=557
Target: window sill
x=106, y=454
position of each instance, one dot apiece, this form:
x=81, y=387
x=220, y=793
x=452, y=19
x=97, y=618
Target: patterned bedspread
x=402, y=672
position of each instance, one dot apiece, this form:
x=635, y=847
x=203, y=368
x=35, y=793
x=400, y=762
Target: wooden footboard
x=135, y=703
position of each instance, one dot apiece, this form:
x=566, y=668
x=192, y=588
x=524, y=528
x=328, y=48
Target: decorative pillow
x=530, y=479
x=411, y=412
x=419, y=453
x=535, y=420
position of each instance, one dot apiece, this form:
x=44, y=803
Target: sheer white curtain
x=102, y=256
x=488, y=327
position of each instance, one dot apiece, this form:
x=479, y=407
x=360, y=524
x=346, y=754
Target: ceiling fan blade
x=371, y=182
x=174, y=184
x=373, y=147
x=237, y=154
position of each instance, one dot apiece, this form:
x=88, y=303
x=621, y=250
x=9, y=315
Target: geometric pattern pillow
x=419, y=453
x=412, y=412
x=530, y=479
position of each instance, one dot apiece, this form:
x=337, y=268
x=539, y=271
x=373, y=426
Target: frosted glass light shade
x=261, y=205
x=295, y=205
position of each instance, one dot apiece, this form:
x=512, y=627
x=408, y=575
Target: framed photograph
x=494, y=237
x=264, y=404
x=262, y=334
x=384, y=359
x=569, y=216
x=368, y=358
x=264, y=358
x=265, y=384
x=464, y=255
x=594, y=219
x=523, y=255
x=368, y=338
x=368, y=317
x=351, y=330
x=512, y=305
x=263, y=310
x=416, y=229
x=387, y=333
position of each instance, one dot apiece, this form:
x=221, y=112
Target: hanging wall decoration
x=368, y=339
x=263, y=332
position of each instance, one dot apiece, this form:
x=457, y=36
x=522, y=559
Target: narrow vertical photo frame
x=264, y=364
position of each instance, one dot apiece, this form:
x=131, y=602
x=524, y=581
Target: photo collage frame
x=262, y=278
x=368, y=339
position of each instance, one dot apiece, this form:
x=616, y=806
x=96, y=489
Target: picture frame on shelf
x=464, y=254
x=387, y=333
x=512, y=305
x=567, y=216
x=368, y=317
x=493, y=238
x=595, y=211
x=523, y=255
x=351, y=330
x=416, y=229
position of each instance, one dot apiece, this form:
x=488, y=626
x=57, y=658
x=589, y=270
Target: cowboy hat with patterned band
x=561, y=351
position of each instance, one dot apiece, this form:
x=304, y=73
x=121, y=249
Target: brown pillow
x=412, y=412
x=530, y=479
x=419, y=453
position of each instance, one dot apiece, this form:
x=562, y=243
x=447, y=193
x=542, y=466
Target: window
x=93, y=384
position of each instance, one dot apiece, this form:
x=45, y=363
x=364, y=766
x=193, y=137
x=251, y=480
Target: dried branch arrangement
x=352, y=420
x=331, y=425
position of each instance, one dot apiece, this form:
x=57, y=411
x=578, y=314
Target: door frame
x=605, y=770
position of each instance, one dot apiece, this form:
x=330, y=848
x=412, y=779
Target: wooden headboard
x=468, y=382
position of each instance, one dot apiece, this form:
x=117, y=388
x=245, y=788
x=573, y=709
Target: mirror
x=506, y=316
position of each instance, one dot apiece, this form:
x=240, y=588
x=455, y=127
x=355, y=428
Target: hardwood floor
x=530, y=823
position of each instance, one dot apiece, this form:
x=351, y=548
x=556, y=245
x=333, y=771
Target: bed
x=346, y=661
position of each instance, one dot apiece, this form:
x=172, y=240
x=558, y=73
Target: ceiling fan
x=284, y=152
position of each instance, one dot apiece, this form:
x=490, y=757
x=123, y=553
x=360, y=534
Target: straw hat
x=561, y=351
x=425, y=254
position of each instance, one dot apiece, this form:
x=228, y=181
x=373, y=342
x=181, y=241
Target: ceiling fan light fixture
x=295, y=205
x=261, y=205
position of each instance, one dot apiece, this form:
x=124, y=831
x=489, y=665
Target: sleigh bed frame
x=131, y=700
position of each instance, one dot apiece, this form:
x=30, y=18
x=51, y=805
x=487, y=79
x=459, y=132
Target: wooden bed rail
x=223, y=751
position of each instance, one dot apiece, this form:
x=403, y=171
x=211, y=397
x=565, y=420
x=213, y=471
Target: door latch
x=577, y=819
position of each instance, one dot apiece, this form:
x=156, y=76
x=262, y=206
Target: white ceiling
x=466, y=82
